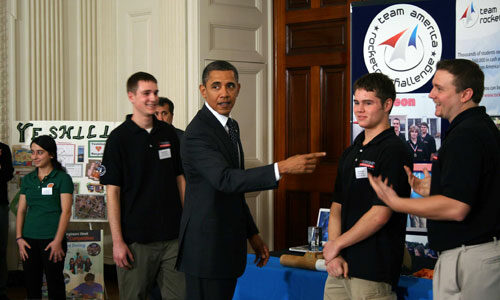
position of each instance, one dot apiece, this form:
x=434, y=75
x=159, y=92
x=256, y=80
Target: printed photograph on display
x=418, y=245
x=95, y=188
x=323, y=218
x=74, y=170
x=76, y=187
x=83, y=267
x=496, y=120
x=92, y=170
x=96, y=149
x=66, y=153
x=81, y=153
x=89, y=208
x=21, y=156
x=415, y=223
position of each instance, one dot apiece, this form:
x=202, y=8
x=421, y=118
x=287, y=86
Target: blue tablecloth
x=277, y=282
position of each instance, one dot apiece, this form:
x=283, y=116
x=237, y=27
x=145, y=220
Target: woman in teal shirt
x=42, y=217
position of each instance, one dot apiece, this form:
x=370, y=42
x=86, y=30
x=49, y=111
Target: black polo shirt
x=468, y=170
x=379, y=257
x=430, y=143
x=145, y=166
x=6, y=172
x=419, y=151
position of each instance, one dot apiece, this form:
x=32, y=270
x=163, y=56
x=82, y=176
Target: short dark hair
x=396, y=119
x=133, y=80
x=424, y=124
x=165, y=100
x=466, y=74
x=218, y=65
x=89, y=277
x=379, y=83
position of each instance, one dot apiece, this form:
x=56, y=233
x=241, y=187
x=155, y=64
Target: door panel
x=311, y=107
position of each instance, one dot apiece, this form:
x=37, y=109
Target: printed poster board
x=80, y=147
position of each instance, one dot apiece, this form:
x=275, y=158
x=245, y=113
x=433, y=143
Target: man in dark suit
x=216, y=221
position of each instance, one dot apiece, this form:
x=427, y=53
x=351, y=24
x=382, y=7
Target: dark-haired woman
x=42, y=217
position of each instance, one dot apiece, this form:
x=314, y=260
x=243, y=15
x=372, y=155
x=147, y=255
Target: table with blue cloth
x=278, y=282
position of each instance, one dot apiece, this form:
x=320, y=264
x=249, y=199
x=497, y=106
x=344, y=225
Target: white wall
x=70, y=59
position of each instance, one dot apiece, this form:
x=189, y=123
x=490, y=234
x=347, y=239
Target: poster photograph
x=93, y=169
x=83, y=266
x=418, y=245
x=21, y=156
x=66, y=153
x=415, y=223
x=96, y=148
x=496, y=120
x=89, y=208
x=76, y=188
x=95, y=188
x=74, y=170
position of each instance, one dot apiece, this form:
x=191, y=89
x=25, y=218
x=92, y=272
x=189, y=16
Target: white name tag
x=47, y=191
x=361, y=172
x=164, y=153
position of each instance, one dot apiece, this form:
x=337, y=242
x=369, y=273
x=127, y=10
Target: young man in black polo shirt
x=428, y=139
x=366, y=238
x=145, y=187
x=461, y=199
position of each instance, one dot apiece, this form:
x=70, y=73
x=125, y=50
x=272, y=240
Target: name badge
x=164, y=153
x=47, y=191
x=361, y=172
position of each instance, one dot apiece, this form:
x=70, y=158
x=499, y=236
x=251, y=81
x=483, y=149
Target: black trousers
x=209, y=289
x=4, y=231
x=37, y=263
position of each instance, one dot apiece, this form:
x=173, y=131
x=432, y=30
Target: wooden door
x=311, y=106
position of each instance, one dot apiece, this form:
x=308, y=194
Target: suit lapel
x=221, y=134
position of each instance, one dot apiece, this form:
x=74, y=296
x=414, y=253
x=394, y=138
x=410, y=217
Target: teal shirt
x=43, y=199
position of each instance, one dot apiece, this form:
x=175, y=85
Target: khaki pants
x=357, y=289
x=153, y=261
x=468, y=272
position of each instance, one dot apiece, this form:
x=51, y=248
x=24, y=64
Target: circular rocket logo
x=469, y=16
x=403, y=42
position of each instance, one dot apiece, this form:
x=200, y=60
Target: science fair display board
x=405, y=40
x=80, y=147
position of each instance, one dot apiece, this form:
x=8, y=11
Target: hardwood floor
x=16, y=290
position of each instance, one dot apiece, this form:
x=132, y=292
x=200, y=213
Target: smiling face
x=396, y=125
x=220, y=91
x=40, y=157
x=145, y=98
x=369, y=111
x=424, y=130
x=413, y=134
x=445, y=96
